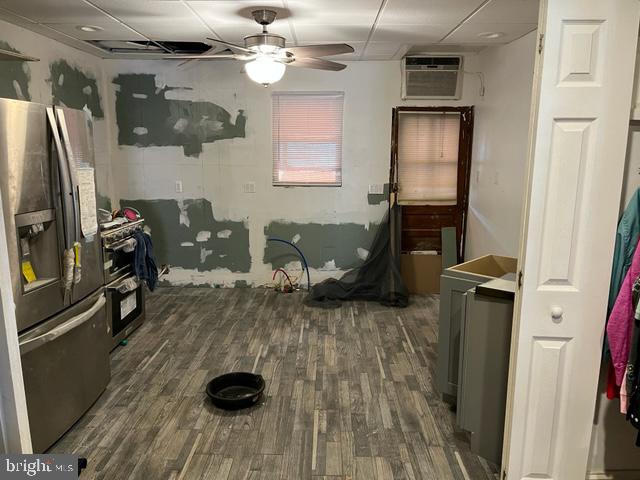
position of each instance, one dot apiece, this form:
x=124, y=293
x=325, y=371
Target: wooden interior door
x=581, y=105
x=421, y=224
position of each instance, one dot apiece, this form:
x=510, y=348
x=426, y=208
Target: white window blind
x=307, y=138
x=428, y=157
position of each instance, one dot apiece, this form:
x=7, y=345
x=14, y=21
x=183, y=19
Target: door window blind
x=428, y=157
x=307, y=138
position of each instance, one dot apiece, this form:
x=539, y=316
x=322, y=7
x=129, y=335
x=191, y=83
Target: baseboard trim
x=615, y=475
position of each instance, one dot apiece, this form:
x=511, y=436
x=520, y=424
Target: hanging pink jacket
x=620, y=325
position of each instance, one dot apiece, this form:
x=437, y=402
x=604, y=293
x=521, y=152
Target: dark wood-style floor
x=350, y=394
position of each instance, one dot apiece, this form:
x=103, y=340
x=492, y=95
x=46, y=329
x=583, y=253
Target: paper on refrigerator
x=87, y=200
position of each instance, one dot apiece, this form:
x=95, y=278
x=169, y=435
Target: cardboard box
x=421, y=273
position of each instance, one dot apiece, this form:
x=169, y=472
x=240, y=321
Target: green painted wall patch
x=187, y=235
x=14, y=77
x=73, y=88
x=320, y=243
x=146, y=117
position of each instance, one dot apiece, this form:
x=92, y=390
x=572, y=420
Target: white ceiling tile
x=159, y=20
x=332, y=33
x=58, y=11
x=507, y=11
x=111, y=30
x=410, y=33
x=468, y=33
x=427, y=12
x=333, y=12
x=234, y=12
x=383, y=48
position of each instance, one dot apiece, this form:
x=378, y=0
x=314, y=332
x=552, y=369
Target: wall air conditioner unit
x=432, y=77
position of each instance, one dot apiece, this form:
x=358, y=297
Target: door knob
x=556, y=312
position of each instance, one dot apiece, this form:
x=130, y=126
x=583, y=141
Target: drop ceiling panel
x=58, y=11
x=410, y=33
x=216, y=13
x=111, y=30
x=427, y=12
x=332, y=33
x=383, y=49
x=159, y=20
x=468, y=33
x=333, y=12
x=507, y=11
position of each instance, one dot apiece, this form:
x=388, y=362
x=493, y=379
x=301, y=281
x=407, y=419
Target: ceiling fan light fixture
x=265, y=70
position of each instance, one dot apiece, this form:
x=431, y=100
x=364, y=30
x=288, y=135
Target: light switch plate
x=178, y=186
x=249, y=187
x=376, y=189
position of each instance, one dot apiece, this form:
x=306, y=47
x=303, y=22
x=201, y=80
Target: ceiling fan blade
x=320, y=50
x=317, y=63
x=205, y=57
x=233, y=46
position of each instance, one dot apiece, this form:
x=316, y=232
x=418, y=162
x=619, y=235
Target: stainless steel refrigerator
x=47, y=184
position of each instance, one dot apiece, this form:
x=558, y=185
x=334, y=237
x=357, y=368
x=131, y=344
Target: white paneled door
x=584, y=77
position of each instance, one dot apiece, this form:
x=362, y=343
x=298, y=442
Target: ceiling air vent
x=432, y=77
x=148, y=47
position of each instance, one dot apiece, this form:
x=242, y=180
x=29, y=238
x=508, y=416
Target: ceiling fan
x=267, y=55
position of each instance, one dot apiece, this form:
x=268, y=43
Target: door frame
x=518, y=322
x=465, y=148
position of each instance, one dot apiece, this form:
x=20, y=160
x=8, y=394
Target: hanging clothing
x=144, y=264
x=633, y=380
x=620, y=324
x=627, y=237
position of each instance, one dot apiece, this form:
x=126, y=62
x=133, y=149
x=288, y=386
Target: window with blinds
x=428, y=157
x=307, y=138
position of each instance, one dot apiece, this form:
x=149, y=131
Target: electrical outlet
x=178, y=186
x=249, y=187
x=376, y=189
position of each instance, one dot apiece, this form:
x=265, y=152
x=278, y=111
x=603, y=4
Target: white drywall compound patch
x=203, y=236
x=140, y=131
x=224, y=234
x=204, y=253
x=296, y=238
x=181, y=124
x=186, y=244
x=184, y=216
x=363, y=253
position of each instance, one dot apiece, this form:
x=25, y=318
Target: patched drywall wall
x=14, y=77
x=146, y=117
x=63, y=76
x=325, y=247
x=157, y=168
x=499, y=157
x=186, y=234
x=74, y=88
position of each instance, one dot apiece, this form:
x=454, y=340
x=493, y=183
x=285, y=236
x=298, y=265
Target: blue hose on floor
x=304, y=260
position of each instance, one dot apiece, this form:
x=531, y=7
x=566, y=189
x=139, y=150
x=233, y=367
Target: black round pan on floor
x=236, y=390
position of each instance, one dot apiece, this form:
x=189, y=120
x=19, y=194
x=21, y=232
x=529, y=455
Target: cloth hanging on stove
x=144, y=263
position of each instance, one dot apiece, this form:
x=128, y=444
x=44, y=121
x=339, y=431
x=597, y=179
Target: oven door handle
x=127, y=283
x=114, y=247
x=65, y=327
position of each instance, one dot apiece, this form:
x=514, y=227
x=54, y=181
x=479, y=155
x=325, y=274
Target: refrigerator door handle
x=73, y=180
x=70, y=324
x=65, y=179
